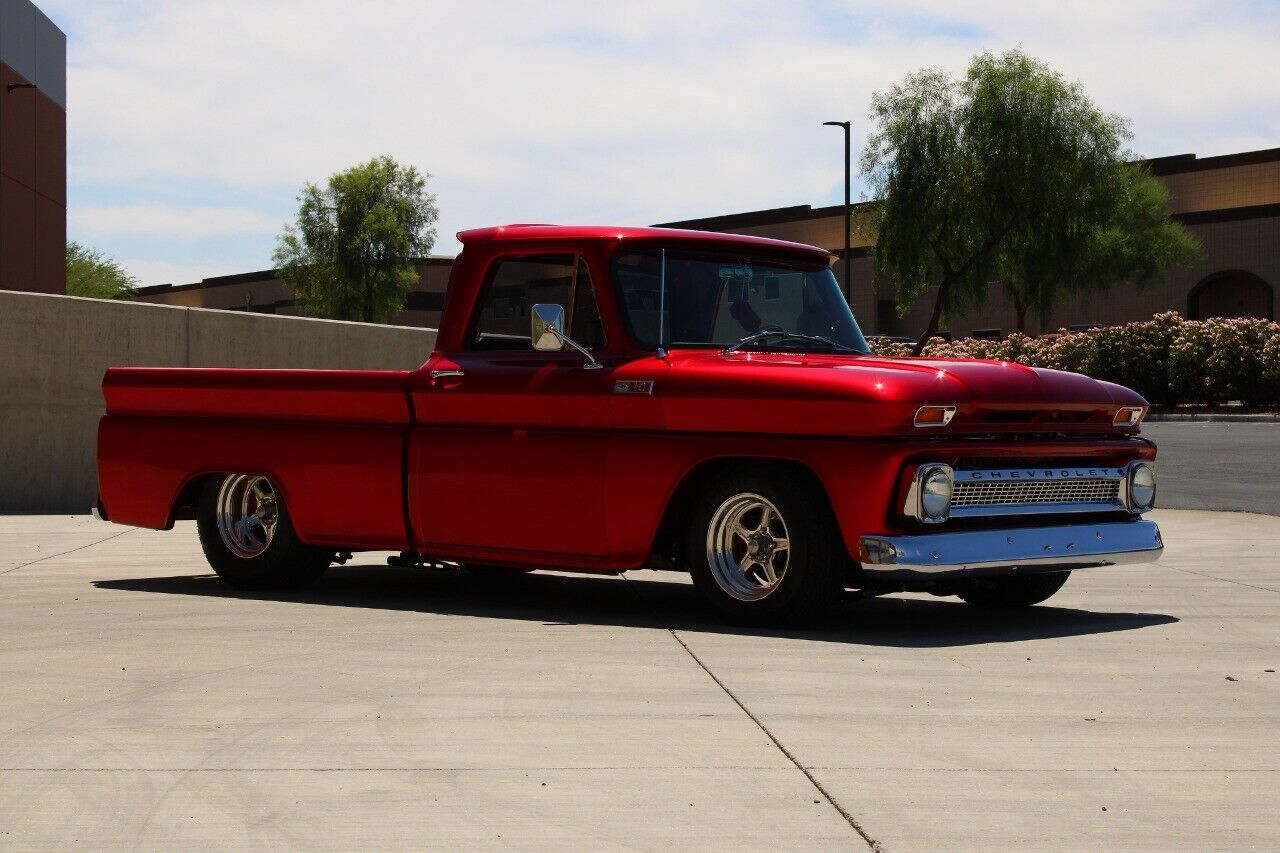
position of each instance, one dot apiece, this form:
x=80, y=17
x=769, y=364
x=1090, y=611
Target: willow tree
x=1008, y=173
x=349, y=256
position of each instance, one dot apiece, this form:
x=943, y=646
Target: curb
x=1211, y=417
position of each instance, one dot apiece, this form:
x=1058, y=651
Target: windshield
x=717, y=299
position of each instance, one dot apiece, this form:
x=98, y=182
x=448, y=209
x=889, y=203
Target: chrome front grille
x=1037, y=490
x=1031, y=492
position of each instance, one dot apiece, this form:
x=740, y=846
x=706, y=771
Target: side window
x=586, y=328
x=515, y=286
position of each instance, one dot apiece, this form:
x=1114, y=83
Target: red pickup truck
x=610, y=399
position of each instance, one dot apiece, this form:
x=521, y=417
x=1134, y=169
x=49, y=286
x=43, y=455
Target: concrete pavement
x=147, y=706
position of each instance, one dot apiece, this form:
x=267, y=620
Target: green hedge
x=1166, y=359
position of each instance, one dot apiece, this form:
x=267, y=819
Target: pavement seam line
x=615, y=768
x=844, y=813
x=1224, y=580
x=64, y=553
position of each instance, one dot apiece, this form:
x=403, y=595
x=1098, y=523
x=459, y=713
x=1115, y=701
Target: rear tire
x=248, y=538
x=765, y=550
x=1013, y=591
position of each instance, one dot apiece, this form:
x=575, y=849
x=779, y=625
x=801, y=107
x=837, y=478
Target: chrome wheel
x=748, y=547
x=247, y=512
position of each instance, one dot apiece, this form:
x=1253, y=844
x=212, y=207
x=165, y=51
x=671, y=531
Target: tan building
x=1232, y=203
x=263, y=293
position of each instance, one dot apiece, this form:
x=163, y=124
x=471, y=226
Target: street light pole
x=848, y=210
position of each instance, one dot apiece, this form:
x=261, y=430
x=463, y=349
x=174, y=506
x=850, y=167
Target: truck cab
x=610, y=399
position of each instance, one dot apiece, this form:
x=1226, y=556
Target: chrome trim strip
x=1066, y=507
x=1026, y=549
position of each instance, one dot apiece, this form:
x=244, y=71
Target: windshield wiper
x=782, y=334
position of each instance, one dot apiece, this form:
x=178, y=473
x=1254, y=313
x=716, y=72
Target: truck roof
x=543, y=233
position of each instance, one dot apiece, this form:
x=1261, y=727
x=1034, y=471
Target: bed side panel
x=340, y=481
x=340, y=396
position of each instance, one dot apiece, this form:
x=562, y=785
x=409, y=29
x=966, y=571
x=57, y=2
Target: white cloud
x=166, y=220
x=577, y=111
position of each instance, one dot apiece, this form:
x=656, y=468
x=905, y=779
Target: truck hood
x=872, y=395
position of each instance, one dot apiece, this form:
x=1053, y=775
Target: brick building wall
x=33, y=150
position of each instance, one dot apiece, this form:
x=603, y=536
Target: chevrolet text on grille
x=1040, y=474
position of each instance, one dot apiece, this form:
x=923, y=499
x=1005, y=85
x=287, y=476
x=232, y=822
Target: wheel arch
x=186, y=501
x=668, y=542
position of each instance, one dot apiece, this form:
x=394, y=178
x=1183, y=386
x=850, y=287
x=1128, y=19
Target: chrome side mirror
x=548, y=327
x=548, y=334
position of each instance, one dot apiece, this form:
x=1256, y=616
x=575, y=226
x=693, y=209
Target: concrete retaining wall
x=54, y=350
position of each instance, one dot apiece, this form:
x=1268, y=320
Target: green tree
x=349, y=255
x=1009, y=173
x=91, y=273
x=1136, y=241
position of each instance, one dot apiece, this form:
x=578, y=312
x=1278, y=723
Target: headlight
x=932, y=493
x=1142, y=486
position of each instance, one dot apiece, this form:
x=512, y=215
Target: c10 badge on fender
x=644, y=387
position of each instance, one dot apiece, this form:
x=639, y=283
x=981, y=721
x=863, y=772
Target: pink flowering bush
x=1166, y=359
x=1271, y=362
x=1137, y=355
x=884, y=346
x=1189, y=364
x=1236, y=369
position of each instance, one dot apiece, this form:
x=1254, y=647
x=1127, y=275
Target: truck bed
x=334, y=439
x=344, y=396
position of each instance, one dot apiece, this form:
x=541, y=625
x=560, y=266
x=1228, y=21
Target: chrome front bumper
x=1023, y=550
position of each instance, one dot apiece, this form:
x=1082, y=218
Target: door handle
x=447, y=377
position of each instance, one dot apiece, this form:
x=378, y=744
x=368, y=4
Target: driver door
x=510, y=449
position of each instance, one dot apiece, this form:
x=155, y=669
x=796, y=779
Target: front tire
x=1014, y=590
x=248, y=537
x=765, y=550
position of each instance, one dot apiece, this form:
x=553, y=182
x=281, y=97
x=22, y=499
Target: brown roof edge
x=1228, y=214
x=1179, y=163
x=1170, y=165
x=263, y=275
x=153, y=288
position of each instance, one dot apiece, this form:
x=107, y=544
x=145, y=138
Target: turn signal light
x=934, y=416
x=1129, y=416
x=875, y=551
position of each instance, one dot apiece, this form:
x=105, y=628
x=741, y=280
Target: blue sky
x=193, y=124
